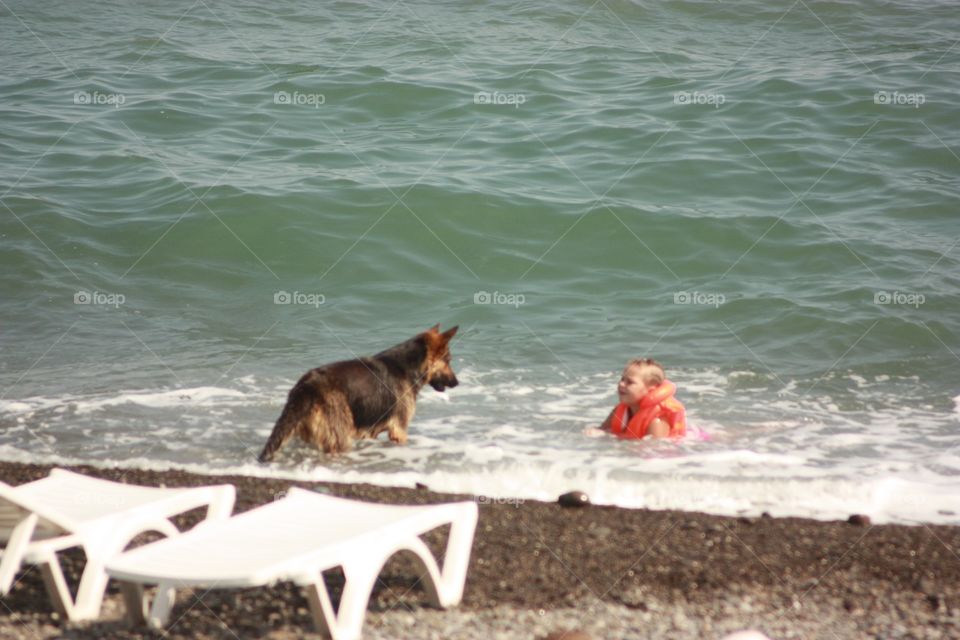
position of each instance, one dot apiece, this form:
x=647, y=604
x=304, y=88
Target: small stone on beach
x=859, y=520
x=574, y=499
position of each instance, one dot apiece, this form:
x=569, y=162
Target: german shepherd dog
x=333, y=405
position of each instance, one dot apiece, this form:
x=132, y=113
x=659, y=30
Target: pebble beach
x=539, y=568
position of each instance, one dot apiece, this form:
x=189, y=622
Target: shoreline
x=603, y=569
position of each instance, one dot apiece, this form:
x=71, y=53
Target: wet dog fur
x=335, y=404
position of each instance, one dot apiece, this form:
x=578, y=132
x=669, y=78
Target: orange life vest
x=658, y=403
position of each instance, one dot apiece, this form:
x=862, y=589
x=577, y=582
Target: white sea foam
x=80, y=404
x=196, y=396
x=14, y=407
x=883, y=499
x=858, y=449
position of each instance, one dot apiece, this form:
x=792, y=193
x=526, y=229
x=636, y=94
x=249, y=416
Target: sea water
x=199, y=202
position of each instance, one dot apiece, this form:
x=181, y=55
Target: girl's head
x=639, y=377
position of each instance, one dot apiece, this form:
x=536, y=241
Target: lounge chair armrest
x=221, y=502
x=41, y=551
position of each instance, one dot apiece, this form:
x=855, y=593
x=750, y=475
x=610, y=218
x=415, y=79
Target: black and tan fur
x=333, y=405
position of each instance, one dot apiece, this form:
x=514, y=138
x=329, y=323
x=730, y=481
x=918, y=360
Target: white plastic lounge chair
x=42, y=518
x=295, y=539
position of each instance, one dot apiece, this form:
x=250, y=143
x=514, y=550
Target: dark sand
x=885, y=581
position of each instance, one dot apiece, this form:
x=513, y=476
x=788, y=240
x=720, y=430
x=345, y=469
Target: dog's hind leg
x=330, y=427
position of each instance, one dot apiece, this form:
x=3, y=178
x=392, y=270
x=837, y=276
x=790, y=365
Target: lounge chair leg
x=445, y=588
x=57, y=588
x=93, y=584
x=320, y=607
x=14, y=550
x=221, y=506
x=162, y=604
x=456, y=559
x=430, y=576
x=347, y=622
x=135, y=601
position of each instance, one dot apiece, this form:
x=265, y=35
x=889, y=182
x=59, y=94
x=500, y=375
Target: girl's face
x=631, y=388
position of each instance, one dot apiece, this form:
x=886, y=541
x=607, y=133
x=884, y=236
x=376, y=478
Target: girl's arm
x=659, y=429
x=609, y=421
x=604, y=428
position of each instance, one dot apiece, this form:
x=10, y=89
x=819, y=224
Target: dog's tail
x=293, y=413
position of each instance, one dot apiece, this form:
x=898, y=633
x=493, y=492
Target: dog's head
x=437, y=371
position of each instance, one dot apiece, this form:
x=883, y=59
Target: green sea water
x=763, y=196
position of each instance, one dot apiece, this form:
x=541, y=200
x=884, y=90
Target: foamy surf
x=502, y=439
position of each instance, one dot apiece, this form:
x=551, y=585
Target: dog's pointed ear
x=434, y=329
x=449, y=333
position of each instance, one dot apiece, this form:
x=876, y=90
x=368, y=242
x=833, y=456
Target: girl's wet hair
x=651, y=371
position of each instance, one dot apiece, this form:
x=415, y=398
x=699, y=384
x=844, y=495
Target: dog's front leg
x=397, y=429
x=397, y=426
x=397, y=432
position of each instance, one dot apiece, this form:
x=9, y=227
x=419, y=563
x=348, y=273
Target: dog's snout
x=442, y=382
